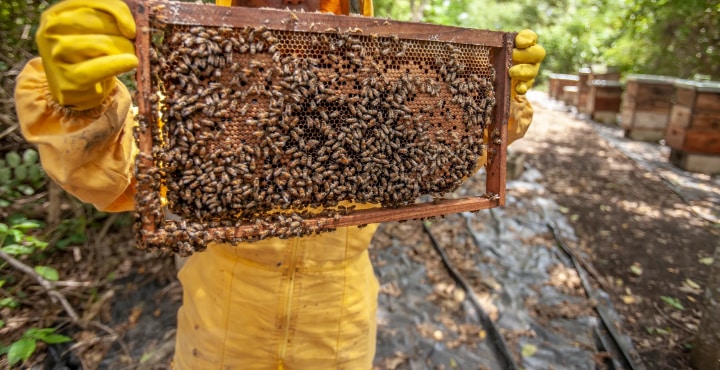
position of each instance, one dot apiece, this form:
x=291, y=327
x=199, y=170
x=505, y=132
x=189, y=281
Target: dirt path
x=646, y=240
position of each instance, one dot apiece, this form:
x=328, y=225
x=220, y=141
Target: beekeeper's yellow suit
x=303, y=303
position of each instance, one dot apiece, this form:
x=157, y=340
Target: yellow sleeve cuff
x=90, y=153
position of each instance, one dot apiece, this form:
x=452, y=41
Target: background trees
x=678, y=38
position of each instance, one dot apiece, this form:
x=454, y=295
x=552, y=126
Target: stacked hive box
x=602, y=72
x=693, y=132
x=570, y=95
x=583, y=89
x=603, y=101
x=558, y=82
x=646, y=106
x=604, y=94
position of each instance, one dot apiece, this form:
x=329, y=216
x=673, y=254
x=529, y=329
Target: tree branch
x=49, y=287
x=10, y=129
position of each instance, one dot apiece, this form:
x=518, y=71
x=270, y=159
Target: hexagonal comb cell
x=282, y=123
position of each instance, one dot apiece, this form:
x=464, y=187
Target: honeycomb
x=266, y=128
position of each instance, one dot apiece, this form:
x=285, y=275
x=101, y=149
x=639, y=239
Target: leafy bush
x=23, y=348
x=20, y=175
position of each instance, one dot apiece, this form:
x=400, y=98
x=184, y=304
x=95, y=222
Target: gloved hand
x=526, y=58
x=83, y=45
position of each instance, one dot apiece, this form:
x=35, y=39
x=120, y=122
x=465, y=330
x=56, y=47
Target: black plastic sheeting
x=516, y=251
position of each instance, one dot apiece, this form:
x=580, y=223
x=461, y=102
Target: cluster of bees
x=260, y=127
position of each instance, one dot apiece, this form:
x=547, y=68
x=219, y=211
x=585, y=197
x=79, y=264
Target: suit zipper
x=289, y=292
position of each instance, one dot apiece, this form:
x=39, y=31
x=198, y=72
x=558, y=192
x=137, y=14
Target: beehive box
x=260, y=123
x=646, y=104
x=604, y=72
x=693, y=132
x=583, y=89
x=569, y=95
x=603, y=100
x=558, y=81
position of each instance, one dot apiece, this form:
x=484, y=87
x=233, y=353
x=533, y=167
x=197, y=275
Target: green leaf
x=55, y=338
x=35, y=242
x=17, y=234
x=2, y=324
x=48, y=273
x=26, y=225
x=9, y=302
x=36, y=174
x=5, y=175
x=3, y=228
x=13, y=159
x=30, y=156
x=17, y=249
x=25, y=189
x=36, y=333
x=46, y=335
x=21, y=350
x=21, y=172
x=672, y=302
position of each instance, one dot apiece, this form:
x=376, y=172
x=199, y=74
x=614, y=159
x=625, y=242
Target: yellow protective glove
x=83, y=45
x=526, y=57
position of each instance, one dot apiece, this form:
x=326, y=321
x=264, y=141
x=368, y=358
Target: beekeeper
x=303, y=303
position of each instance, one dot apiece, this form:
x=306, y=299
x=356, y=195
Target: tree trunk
x=706, y=350
x=417, y=10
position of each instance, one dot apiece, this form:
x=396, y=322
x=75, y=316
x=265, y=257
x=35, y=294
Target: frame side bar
x=143, y=79
x=498, y=130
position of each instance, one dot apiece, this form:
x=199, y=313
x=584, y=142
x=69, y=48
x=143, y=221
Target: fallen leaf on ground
x=528, y=350
x=706, y=261
x=692, y=284
x=672, y=302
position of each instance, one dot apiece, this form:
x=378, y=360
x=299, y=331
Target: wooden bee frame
x=155, y=230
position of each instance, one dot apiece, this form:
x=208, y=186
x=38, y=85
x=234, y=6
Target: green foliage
x=679, y=38
x=72, y=231
x=14, y=238
x=20, y=175
x=9, y=302
x=16, y=241
x=674, y=37
x=18, y=22
x=48, y=273
x=23, y=348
